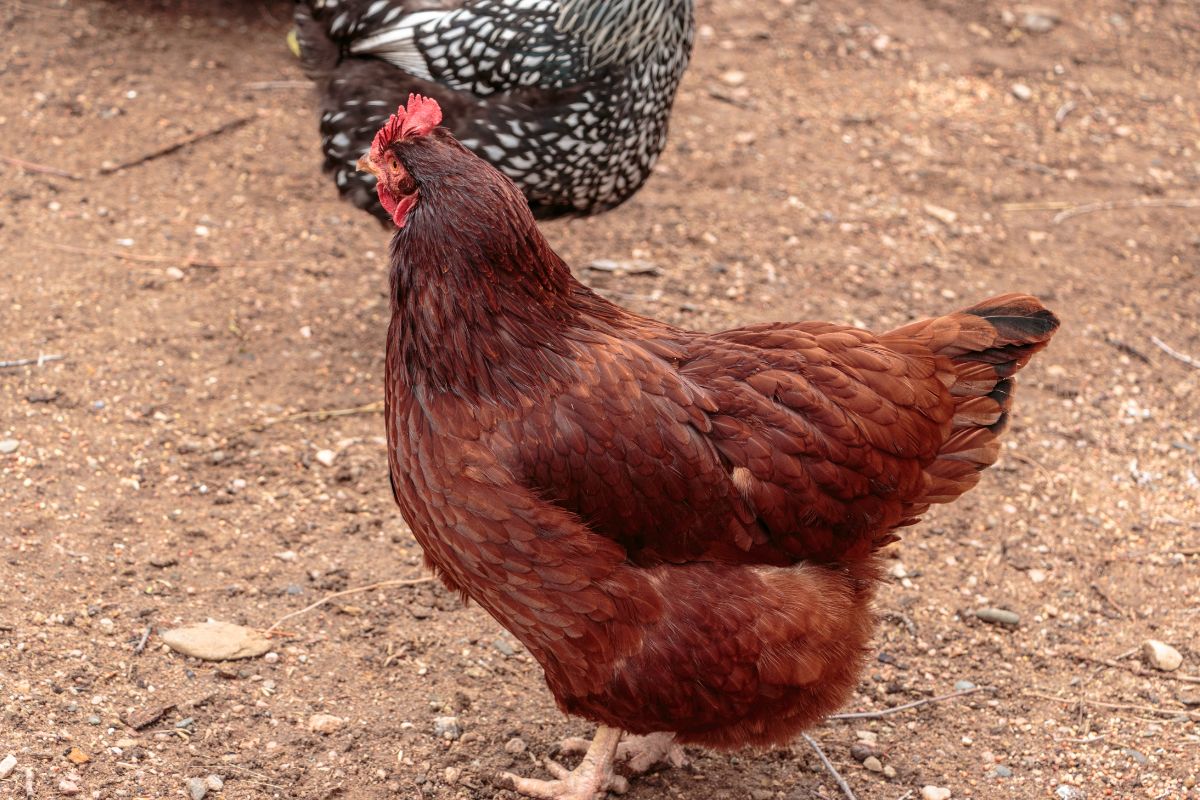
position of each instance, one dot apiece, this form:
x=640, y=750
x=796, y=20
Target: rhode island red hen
x=681, y=527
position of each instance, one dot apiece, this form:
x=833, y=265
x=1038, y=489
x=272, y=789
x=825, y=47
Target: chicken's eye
x=393, y=163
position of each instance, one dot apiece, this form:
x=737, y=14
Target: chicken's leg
x=589, y=781
x=638, y=753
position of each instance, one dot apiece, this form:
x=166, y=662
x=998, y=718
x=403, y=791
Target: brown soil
x=875, y=164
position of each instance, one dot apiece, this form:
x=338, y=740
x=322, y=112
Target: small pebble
x=326, y=457
x=861, y=751
x=504, y=647
x=873, y=764
x=325, y=723
x=1038, y=20
x=1161, y=655
x=963, y=686
x=8, y=446
x=1021, y=91
x=515, y=745
x=1002, y=771
x=870, y=737
x=69, y=788
x=451, y=775
x=761, y=794
x=1037, y=575
x=889, y=771
x=196, y=788
x=1137, y=756
x=935, y=793
x=215, y=783
x=92, y=720
x=733, y=77
x=7, y=765
x=447, y=728
x=271, y=657
x=1065, y=792
x=998, y=616
x=943, y=215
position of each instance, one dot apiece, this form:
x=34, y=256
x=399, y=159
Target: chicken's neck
x=483, y=316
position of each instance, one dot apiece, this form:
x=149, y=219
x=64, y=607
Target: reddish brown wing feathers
x=777, y=443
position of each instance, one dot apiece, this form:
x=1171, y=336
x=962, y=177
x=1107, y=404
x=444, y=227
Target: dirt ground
x=865, y=164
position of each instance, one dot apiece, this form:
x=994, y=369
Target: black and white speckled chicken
x=569, y=98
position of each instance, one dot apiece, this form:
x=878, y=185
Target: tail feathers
x=986, y=345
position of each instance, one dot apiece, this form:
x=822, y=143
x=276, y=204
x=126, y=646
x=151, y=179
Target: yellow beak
x=365, y=164
x=293, y=43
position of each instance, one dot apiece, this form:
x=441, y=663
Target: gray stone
x=998, y=616
x=197, y=788
x=447, y=728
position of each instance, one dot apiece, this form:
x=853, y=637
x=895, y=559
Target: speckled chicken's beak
x=365, y=164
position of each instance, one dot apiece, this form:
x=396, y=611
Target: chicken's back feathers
x=682, y=527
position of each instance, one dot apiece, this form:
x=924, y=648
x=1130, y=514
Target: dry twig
x=328, y=597
x=320, y=415
x=29, y=783
x=1136, y=202
x=184, y=261
x=141, y=645
x=1167, y=712
x=270, y=85
x=1116, y=606
x=887, y=712
x=26, y=362
x=224, y=127
x=841, y=782
x=1136, y=670
x=31, y=166
x=1175, y=354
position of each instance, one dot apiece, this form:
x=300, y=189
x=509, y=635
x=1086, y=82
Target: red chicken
x=681, y=527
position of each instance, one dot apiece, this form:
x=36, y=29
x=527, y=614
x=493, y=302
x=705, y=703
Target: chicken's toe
x=591, y=780
x=640, y=753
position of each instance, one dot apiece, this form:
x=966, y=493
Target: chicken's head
x=396, y=188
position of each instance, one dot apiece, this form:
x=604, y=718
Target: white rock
x=8, y=446
x=943, y=215
x=325, y=723
x=216, y=641
x=935, y=793
x=7, y=766
x=1021, y=91
x=733, y=77
x=1161, y=655
x=326, y=457
x=1037, y=575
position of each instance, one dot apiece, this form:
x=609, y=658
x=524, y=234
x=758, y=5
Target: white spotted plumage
x=569, y=98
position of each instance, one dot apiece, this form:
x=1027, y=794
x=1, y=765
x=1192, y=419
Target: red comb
x=422, y=115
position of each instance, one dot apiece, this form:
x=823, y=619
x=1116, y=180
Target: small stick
x=25, y=362
x=269, y=85
x=224, y=127
x=1175, y=354
x=1117, y=606
x=1037, y=205
x=141, y=645
x=30, y=166
x=320, y=414
x=887, y=712
x=328, y=597
x=29, y=783
x=1108, y=662
x=1060, y=115
x=186, y=261
x=841, y=782
x=1136, y=202
x=1171, y=712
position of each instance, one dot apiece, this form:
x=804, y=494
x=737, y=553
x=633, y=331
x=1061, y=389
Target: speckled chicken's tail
x=986, y=345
